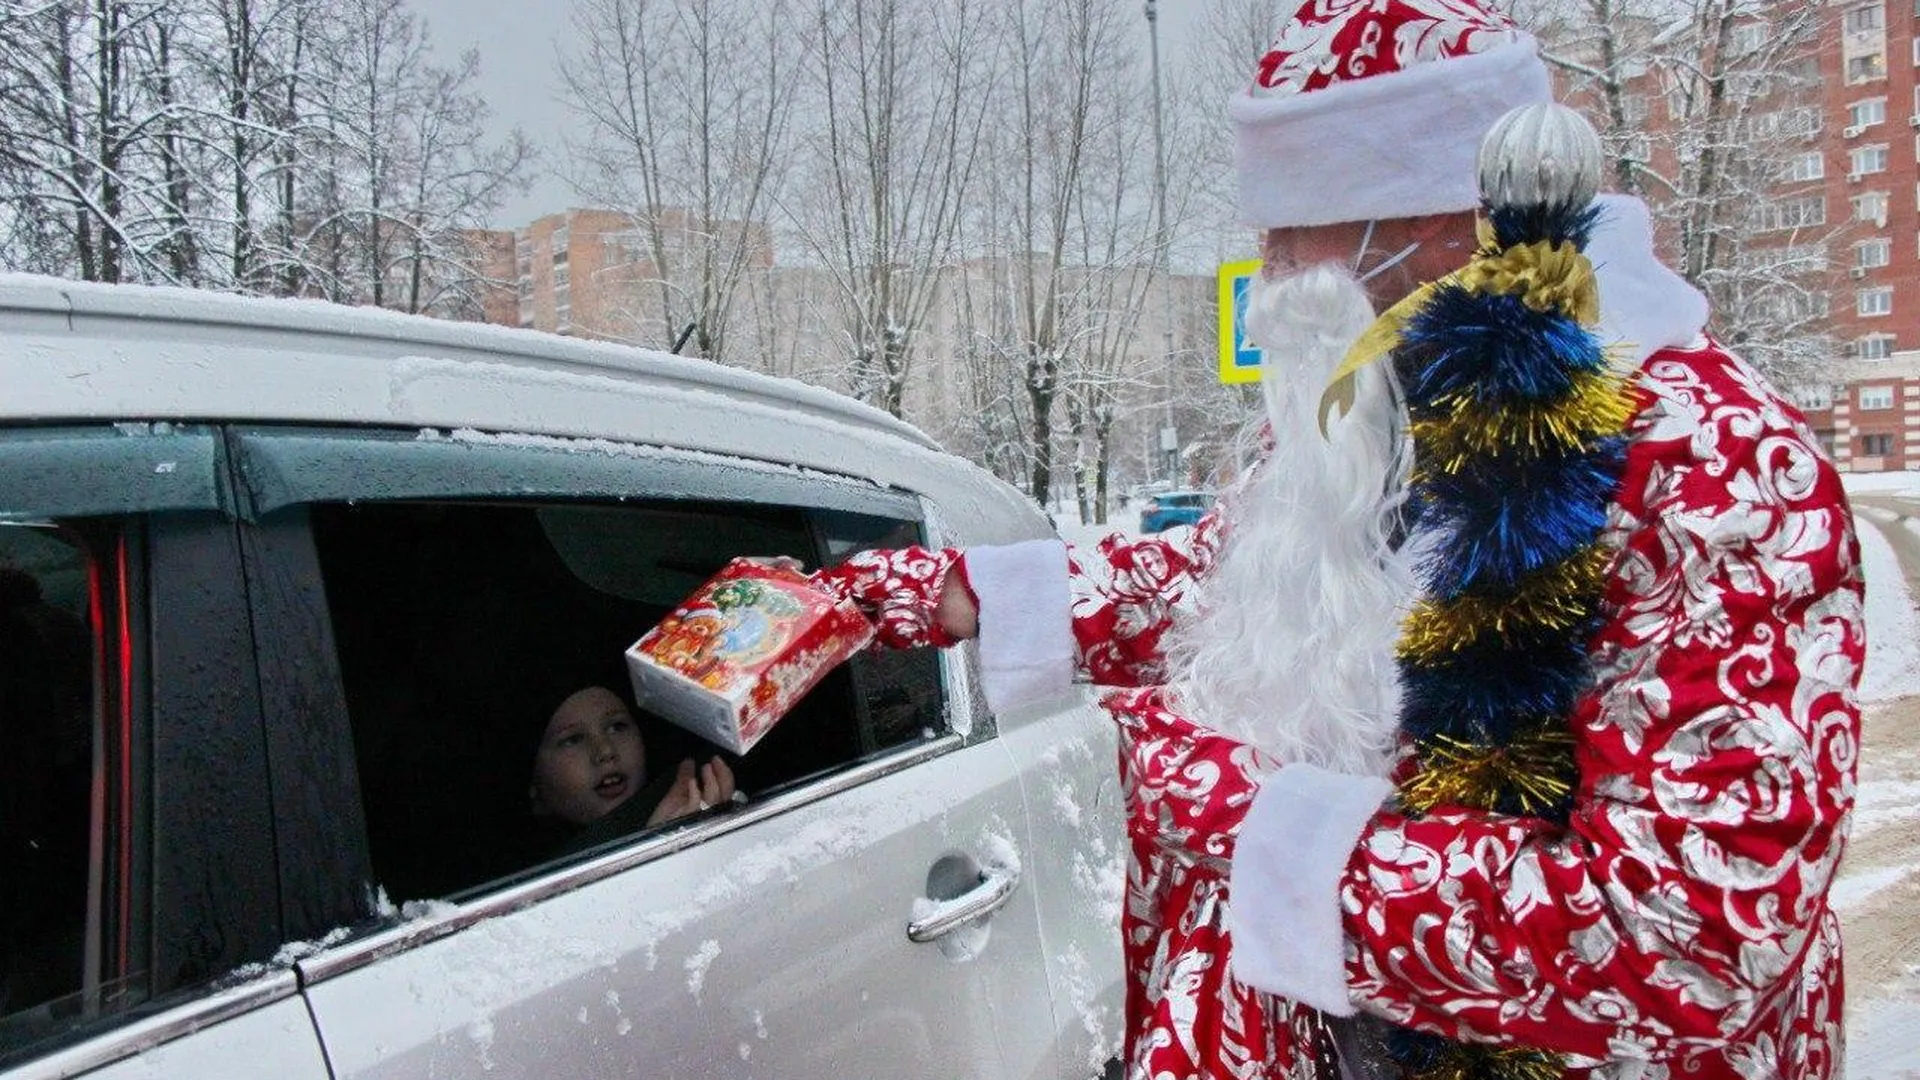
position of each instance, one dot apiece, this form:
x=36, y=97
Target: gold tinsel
x=1532, y=769
x=1556, y=597
x=1463, y=1061
x=1598, y=404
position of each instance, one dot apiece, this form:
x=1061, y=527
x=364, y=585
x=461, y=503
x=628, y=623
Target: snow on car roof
x=201, y=312
x=74, y=351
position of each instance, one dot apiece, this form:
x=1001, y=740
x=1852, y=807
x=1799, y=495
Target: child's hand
x=694, y=790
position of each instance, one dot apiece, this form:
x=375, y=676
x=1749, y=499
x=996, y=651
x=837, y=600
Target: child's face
x=590, y=759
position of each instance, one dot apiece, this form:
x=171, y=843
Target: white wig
x=1290, y=645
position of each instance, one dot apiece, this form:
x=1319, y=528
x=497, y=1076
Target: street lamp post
x=1169, y=436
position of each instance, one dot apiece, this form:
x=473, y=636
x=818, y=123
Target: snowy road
x=1878, y=894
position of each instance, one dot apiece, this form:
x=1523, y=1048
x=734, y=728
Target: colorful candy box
x=739, y=652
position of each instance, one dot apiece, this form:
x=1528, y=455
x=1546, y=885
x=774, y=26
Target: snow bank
x=1885, y=483
x=1893, y=628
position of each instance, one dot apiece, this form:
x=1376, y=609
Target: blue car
x=1170, y=508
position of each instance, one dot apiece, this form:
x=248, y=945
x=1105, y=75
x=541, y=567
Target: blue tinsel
x=1501, y=516
x=1492, y=346
x=1501, y=519
x=1485, y=691
x=1526, y=224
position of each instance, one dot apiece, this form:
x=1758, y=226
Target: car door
x=867, y=912
x=139, y=917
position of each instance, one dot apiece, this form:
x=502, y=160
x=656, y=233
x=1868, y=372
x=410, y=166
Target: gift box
x=739, y=652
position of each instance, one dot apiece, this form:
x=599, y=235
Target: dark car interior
x=461, y=625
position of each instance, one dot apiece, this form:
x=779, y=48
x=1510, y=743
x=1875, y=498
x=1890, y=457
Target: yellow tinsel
x=1544, y=275
x=1529, y=772
x=1465, y=1061
x=1555, y=597
x=1599, y=404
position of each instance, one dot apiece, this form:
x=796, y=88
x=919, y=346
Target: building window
x=1916, y=42
x=1811, y=165
x=1876, y=445
x=1749, y=37
x=1873, y=347
x=1865, y=19
x=1788, y=259
x=1877, y=300
x=1876, y=398
x=1870, y=111
x=1875, y=252
x=1813, y=396
x=562, y=236
x=1799, y=121
x=1867, y=160
x=1792, y=213
x=1866, y=68
x=1870, y=206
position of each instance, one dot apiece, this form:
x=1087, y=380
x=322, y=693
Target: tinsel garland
x=1518, y=425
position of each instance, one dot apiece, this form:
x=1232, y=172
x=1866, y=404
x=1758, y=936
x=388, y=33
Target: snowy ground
x=1878, y=892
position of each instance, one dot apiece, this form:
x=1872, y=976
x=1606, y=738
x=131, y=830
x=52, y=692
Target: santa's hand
x=1188, y=787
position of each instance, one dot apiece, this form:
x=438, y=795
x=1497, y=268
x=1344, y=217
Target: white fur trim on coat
x=1284, y=893
x=1399, y=144
x=1644, y=306
x=1026, y=627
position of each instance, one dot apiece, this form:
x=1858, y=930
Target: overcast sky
x=518, y=40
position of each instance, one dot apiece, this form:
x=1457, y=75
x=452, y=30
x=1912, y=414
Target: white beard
x=1289, y=644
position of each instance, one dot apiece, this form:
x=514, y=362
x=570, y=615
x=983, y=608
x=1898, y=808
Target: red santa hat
x=1368, y=109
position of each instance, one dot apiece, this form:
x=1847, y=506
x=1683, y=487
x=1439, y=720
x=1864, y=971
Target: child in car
x=590, y=774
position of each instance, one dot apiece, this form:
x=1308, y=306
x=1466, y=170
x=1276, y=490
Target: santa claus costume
x=1589, y=828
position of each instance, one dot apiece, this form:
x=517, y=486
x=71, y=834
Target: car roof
x=78, y=351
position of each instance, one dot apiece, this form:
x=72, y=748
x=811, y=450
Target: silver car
x=288, y=592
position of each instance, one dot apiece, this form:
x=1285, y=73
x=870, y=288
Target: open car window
x=461, y=620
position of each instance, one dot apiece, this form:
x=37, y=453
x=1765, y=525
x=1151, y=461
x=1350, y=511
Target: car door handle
x=995, y=889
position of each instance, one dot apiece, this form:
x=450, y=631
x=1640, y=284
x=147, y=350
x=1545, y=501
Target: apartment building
x=1871, y=148
x=595, y=272
x=1818, y=103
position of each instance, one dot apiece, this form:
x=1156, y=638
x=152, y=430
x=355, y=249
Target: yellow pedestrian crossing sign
x=1239, y=359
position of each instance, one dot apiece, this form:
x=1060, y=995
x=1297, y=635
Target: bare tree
x=231, y=144
x=685, y=139
x=400, y=145
x=1071, y=187
x=896, y=111
x=1700, y=104
x=75, y=128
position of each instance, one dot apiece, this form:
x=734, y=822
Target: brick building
x=592, y=273
x=1871, y=149
x=1832, y=247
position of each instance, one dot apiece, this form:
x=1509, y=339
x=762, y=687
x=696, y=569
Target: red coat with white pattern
x=1678, y=924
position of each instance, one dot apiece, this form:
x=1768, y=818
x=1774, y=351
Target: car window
x=70, y=947
x=460, y=624
x=133, y=873
x=46, y=774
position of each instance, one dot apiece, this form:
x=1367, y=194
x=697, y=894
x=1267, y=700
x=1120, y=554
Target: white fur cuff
x=1026, y=628
x=1284, y=892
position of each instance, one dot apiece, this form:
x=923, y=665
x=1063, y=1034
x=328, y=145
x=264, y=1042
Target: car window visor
x=133, y=467
x=281, y=467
